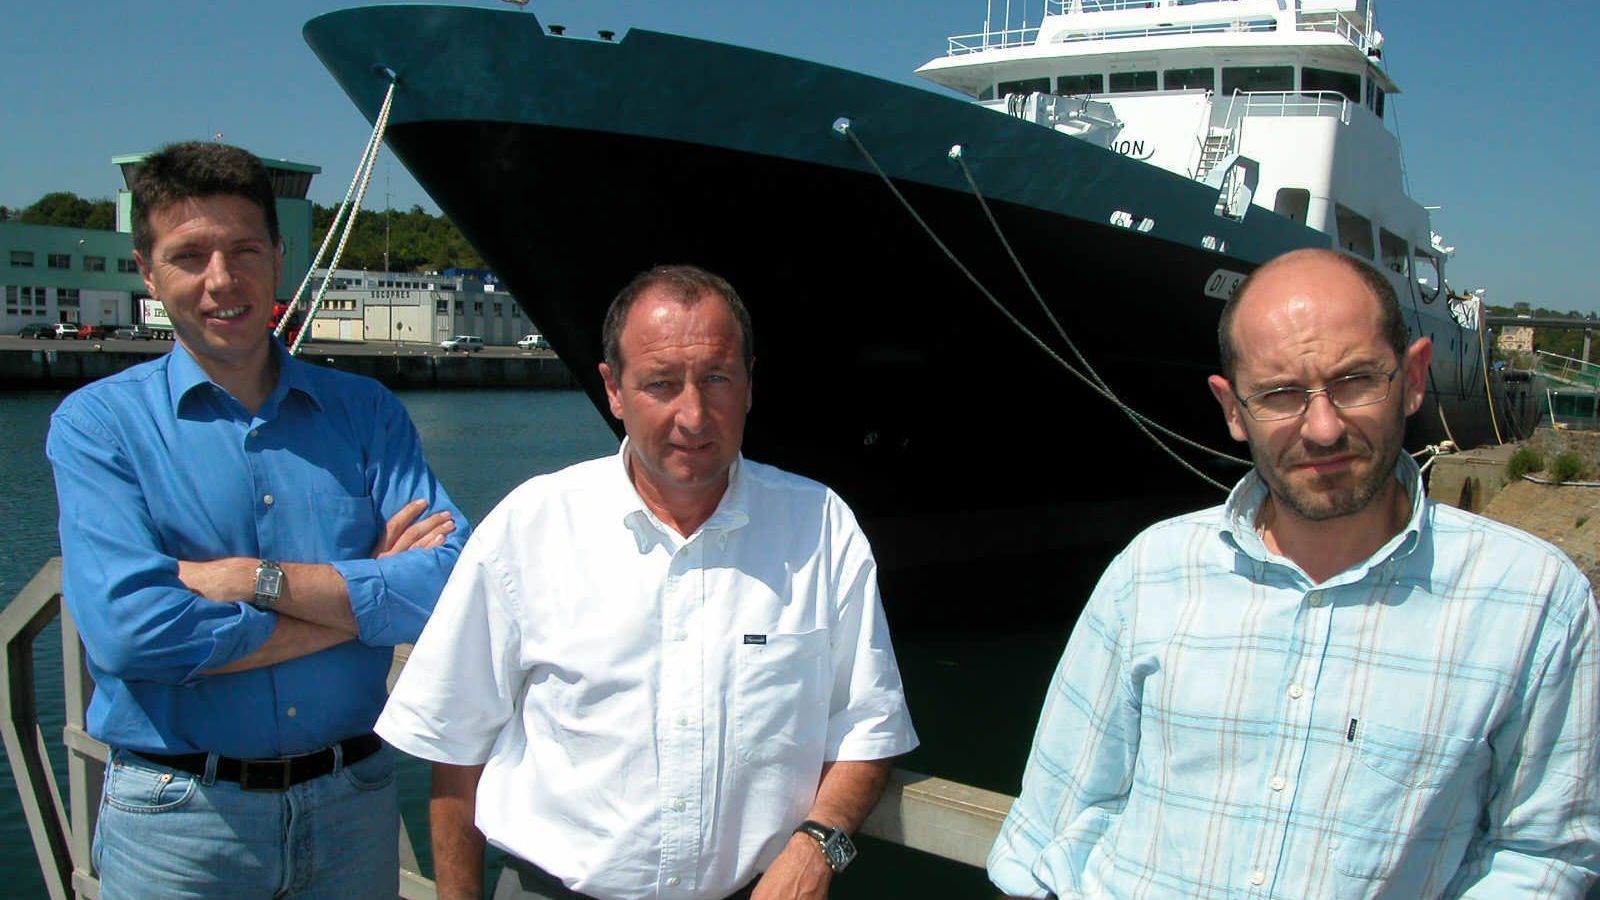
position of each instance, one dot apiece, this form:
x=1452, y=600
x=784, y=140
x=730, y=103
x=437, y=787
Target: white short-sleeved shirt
x=653, y=711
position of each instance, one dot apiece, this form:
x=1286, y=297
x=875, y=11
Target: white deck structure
x=1284, y=97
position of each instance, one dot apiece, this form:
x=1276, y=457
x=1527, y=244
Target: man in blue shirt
x=245, y=539
x=1329, y=686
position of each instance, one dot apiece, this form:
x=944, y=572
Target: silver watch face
x=269, y=582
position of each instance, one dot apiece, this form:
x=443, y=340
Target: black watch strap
x=837, y=848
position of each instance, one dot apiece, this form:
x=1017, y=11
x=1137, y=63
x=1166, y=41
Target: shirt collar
x=1243, y=509
x=732, y=512
x=184, y=375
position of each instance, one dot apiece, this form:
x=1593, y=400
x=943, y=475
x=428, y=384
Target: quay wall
x=43, y=369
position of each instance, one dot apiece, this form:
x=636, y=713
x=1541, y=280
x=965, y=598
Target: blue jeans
x=167, y=833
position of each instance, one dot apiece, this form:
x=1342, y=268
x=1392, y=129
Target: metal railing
x=954, y=821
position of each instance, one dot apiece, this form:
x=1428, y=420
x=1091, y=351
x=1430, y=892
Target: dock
x=63, y=365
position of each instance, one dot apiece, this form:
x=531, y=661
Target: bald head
x=1295, y=272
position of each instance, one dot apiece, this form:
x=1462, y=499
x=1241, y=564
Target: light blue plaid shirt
x=1424, y=724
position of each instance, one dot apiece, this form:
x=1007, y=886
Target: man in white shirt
x=664, y=673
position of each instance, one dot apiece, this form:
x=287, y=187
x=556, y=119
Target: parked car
x=95, y=332
x=133, y=333
x=533, y=342
x=39, y=331
x=466, y=343
x=66, y=330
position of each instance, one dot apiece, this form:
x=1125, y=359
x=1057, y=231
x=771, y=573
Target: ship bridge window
x=1128, y=82
x=1292, y=203
x=1189, y=79
x=1355, y=231
x=1079, y=85
x=1377, y=105
x=1346, y=83
x=1257, y=78
x=1392, y=251
x=1025, y=86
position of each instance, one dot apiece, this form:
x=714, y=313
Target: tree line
x=413, y=240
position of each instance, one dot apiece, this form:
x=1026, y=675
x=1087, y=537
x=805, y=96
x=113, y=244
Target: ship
x=986, y=308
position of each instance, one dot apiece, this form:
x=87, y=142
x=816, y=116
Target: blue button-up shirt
x=158, y=464
x=1423, y=724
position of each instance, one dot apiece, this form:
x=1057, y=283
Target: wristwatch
x=837, y=848
x=269, y=584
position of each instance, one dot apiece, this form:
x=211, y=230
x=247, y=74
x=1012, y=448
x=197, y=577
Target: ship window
x=1429, y=277
x=1292, y=204
x=94, y=263
x=22, y=259
x=1078, y=85
x=1189, y=79
x=1378, y=106
x=1346, y=83
x=1025, y=86
x=1128, y=82
x=1392, y=251
x=1257, y=78
x=59, y=260
x=1355, y=231
x=126, y=265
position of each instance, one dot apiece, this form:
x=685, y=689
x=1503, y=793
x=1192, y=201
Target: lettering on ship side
x=1134, y=149
x=1222, y=284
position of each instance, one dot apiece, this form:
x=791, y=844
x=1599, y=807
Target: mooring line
x=842, y=127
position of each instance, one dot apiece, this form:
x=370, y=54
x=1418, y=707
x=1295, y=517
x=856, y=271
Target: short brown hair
x=1391, y=321
x=193, y=169
x=686, y=284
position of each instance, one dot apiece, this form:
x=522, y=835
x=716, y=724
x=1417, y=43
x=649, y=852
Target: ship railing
x=953, y=821
x=1569, y=371
x=1335, y=23
x=1281, y=104
x=1002, y=39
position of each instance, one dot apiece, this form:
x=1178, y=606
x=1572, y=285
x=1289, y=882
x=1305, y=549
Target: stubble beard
x=1351, y=494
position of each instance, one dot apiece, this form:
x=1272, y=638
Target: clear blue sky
x=1499, y=122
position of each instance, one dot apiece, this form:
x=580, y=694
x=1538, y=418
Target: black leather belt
x=273, y=774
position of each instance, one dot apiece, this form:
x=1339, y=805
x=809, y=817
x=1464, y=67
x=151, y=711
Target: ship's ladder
x=1217, y=147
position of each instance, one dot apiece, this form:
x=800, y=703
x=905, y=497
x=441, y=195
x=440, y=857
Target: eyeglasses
x=1349, y=392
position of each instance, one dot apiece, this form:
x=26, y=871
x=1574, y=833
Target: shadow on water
x=974, y=692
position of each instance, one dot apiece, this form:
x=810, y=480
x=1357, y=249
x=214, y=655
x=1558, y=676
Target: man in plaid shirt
x=1328, y=686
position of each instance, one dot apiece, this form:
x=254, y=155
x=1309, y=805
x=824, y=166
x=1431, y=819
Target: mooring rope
x=842, y=127
x=358, y=187
x=1138, y=418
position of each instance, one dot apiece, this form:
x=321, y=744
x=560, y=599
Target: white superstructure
x=1282, y=99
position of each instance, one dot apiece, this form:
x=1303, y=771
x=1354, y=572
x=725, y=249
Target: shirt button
x=267, y=499
x=1258, y=877
x=674, y=881
x=683, y=720
x=1317, y=598
x=292, y=712
x=678, y=805
x=254, y=432
x=1278, y=783
x=1296, y=691
x=681, y=636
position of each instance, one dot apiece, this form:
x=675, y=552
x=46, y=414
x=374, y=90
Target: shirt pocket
x=781, y=690
x=348, y=526
x=1404, y=798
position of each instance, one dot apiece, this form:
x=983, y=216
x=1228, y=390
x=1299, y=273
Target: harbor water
x=974, y=695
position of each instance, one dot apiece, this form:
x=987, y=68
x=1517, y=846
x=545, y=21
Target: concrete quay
x=61, y=365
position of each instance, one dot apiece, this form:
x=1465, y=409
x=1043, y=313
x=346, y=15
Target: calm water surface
x=973, y=696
